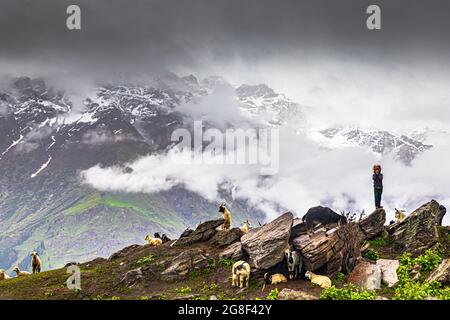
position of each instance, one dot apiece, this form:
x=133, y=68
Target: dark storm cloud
x=163, y=34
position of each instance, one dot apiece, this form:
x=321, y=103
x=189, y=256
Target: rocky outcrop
x=388, y=271
x=366, y=275
x=204, y=232
x=233, y=252
x=373, y=224
x=183, y=264
x=290, y=294
x=137, y=276
x=442, y=273
x=265, y=245
x=124, y=252
x=319, y=249
x=419, y=230
x=225, y=238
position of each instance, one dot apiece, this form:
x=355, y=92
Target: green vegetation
x=409, y=289
x=379, y=242
x=226, y=262
x=146, y=260
x=184, y=290
x=273, y=295
x=348, y=292
x=371, y=255
x=338, y=279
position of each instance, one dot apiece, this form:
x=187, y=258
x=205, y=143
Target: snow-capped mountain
x=46, y=140
x=402, y=147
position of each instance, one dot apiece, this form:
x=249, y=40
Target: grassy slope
x=100, y=279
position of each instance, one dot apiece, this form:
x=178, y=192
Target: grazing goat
x=321, y=281
x=240, y=274
x=294, y=262
x=163, y=237
x=21, y=273
x=323, y=216
x=399, y=215
x=3, y=275
x=226, y=214
x=274, y=278
x=153, y=241
x=246, y=227
x=35, y=262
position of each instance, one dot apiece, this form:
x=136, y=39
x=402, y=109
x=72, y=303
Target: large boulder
x=186, y=262
x=419, y=231
x=224, y=238
x=373, y=224
x=442, y=273
x=202, y=233
x=388, y=271
x=366, y=275
x=233, y=252
x=265, y=245
x=320, y=248
x=331, y=251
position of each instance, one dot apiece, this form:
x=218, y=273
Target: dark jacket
x=378, y=180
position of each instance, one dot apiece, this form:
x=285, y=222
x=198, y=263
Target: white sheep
x=3, y=275
x=240, y=274
x=153, y=241
x=322, y=281
x=35, y=262
x=21, y=273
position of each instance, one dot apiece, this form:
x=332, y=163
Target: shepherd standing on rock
x=377, y=185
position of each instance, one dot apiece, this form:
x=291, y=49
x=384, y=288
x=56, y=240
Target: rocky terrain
x=363, y=252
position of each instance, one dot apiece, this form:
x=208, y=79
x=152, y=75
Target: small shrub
x=146, y=260
x=408, y=289
x=379, y=242
x=273, y=295
x=115, y=298
x=349, y=292
x=144, y=298
x=371, y=255
x=339, y=278
x=226, y=262
x=183, y=290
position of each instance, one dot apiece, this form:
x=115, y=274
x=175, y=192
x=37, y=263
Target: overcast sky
x=319, y=52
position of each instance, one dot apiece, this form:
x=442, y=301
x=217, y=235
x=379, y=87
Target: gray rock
x=132, y=277
x=183, y=264
x=233, y=252
x=124, y=252
x=388, y=271
x=202, y=233
x=366, y=275
x=442, y=273
x=373, y=224
x=419, y=230
x=225, y=238
x=265, y=245
x=290, y=294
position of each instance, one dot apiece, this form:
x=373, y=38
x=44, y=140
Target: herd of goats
x=241, y=269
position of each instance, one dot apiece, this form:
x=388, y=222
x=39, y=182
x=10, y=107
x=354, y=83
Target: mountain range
x=48, y=138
